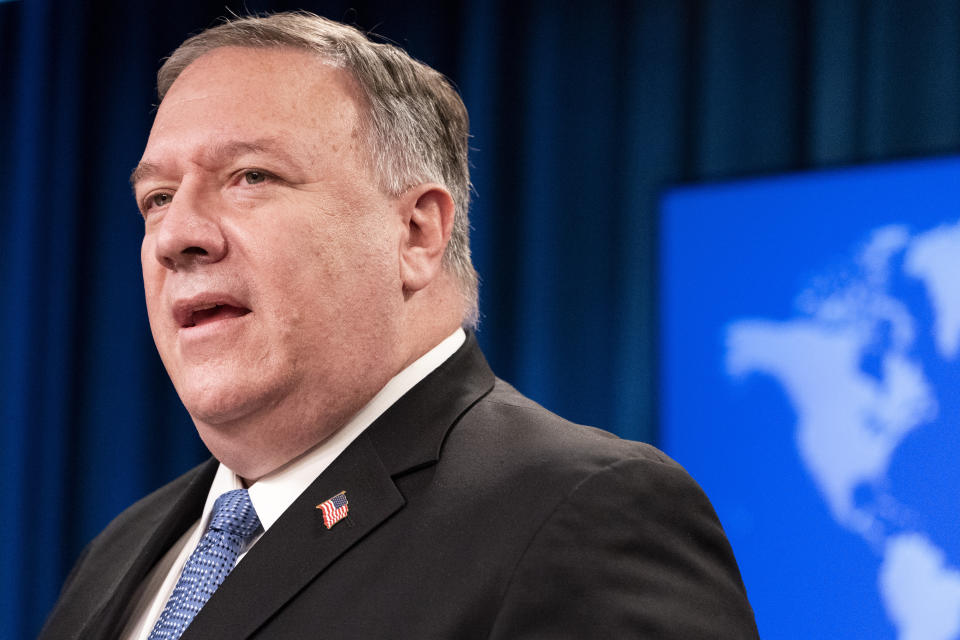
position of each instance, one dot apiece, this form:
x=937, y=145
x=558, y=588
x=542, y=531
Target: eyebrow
x=222, y=150
x=142, y=171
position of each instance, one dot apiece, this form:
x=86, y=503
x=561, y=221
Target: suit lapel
x=298, y=547
x=411, y=433
x=132, y=558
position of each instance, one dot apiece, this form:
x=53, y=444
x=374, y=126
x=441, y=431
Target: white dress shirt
x=273, y=493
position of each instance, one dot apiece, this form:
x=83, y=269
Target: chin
x=225, y=402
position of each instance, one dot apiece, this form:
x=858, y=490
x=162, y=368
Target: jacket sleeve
x=635, y=551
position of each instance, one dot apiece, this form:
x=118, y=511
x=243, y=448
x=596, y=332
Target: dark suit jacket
x=474, y=513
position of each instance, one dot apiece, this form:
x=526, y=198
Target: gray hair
x=416, y=125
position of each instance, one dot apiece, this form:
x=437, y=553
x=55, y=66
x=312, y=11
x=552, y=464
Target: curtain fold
x=582, y=114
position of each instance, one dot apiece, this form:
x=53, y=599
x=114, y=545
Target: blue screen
x=810, y=328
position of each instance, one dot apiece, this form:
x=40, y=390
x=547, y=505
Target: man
x=307, y=274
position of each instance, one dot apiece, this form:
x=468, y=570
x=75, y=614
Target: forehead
x=254, y=93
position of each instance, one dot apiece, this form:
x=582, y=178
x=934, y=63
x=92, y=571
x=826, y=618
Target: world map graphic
x=852, y=366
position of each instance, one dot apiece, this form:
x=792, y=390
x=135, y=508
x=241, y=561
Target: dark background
x=582, y=113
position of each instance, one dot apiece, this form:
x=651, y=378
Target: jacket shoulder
x=622, y=538
x=149, y=513
x=507, y=422
x=116, y=561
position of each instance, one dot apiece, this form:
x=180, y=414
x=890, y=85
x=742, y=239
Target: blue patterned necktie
x=233, y=521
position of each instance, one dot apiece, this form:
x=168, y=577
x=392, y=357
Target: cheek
x=336, y=250
x=311, y=265
x=327, y=289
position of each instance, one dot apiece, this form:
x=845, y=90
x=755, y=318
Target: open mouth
x=212, y=313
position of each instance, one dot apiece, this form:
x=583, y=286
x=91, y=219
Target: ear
x=427, y=216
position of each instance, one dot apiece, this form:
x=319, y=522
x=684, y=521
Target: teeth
x=209, y=306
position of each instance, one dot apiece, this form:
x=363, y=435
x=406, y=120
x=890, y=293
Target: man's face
x=270, y=253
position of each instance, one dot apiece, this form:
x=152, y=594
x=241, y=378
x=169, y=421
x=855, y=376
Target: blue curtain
x=583, y=112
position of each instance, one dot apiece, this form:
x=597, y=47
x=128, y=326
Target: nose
x=189, y=235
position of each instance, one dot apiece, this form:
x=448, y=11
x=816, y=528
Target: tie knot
x=234, y=513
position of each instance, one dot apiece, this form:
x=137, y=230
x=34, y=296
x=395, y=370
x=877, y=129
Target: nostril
x=190, y=244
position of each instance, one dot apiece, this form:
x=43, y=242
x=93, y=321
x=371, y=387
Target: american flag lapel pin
x=334, y=509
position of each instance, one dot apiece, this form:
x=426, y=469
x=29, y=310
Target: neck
x=261, y=442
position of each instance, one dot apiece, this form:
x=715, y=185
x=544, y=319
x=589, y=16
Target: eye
x=160, y=199
x=254, y=176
